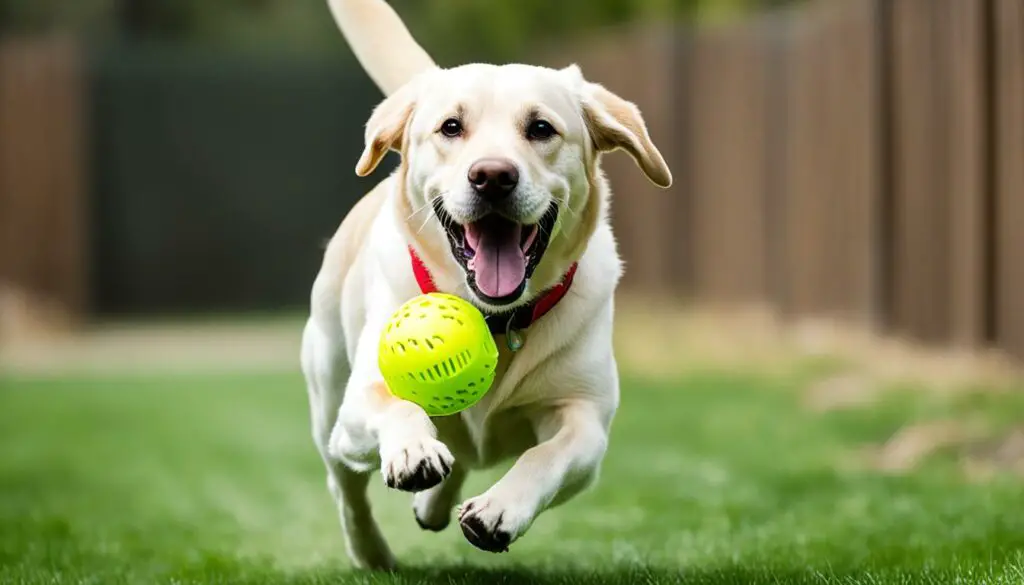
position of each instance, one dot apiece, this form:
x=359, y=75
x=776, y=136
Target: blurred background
x=830, y=294
x=853, y=160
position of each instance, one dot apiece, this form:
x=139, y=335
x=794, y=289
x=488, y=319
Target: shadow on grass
x=728, y=575
x=213, y=568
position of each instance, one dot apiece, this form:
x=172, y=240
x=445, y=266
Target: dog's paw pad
x=417, y=466
x=484, y=527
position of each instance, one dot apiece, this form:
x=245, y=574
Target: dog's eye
x=540, y=130
x=451, y=128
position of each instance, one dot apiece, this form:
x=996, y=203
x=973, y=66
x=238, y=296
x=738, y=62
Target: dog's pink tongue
x=499, y=264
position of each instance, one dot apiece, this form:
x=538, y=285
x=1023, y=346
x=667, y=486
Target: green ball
x=437, y=351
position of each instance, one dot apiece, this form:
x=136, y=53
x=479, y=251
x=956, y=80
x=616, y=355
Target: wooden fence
x=861, y=159
x=43, y=217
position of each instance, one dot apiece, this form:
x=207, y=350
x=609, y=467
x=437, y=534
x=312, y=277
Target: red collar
x=520, y=318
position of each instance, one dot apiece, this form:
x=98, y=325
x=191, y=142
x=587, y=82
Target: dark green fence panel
x=217, y=178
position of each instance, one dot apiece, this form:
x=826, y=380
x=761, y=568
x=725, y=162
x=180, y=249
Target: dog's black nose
x=493, y=178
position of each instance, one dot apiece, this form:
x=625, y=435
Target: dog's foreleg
x=375, y=428
x=408, y=453
x=573, y=438
x=326, y=370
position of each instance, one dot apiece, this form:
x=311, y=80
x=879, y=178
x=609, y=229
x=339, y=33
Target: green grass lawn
x=714, y=478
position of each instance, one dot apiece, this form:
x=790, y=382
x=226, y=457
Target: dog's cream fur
x=553, y=401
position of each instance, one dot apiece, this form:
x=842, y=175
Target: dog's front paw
x=416, y=465
x=492, y=525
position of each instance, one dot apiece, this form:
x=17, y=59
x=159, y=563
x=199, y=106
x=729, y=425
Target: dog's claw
x=418, y=467
x=473, y=528
x=424, y=476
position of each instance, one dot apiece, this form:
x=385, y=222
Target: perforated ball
x=437, y=351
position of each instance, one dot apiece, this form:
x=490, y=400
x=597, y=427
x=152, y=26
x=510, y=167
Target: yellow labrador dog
x=500, y=199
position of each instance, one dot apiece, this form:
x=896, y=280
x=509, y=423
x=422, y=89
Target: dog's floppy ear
x=386, y=127
x=616, y=123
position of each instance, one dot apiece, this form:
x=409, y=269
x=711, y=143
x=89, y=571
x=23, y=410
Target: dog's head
x=500, y=162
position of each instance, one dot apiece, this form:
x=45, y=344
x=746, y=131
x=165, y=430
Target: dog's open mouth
x=498, y=254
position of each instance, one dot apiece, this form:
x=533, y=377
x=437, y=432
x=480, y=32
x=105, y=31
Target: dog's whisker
x=428, y=205
x=572, y=212
x=418, y=211
x=426, y=220
x=542, y=230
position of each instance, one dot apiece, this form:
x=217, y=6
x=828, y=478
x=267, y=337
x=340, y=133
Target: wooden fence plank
x=832, y=177
x=805, y=180
x=961, y=44
x=727, y=176
x=42, y=215
x=1009, y=79
x=855, y=216
x=922, y=248
x=7, y=227
x=654, y=213
x=71, y=214
x=776, y=47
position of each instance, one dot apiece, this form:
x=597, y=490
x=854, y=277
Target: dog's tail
x=381, y=42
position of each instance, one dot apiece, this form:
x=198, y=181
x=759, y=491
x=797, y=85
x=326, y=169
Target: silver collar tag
x=513, y=337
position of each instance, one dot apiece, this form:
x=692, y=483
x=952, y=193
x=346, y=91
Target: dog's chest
x=483, y=442
x=494, y=429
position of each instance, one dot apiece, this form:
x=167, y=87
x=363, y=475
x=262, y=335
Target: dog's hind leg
x=433, y=507
x=325, y=366
x=363, y=540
